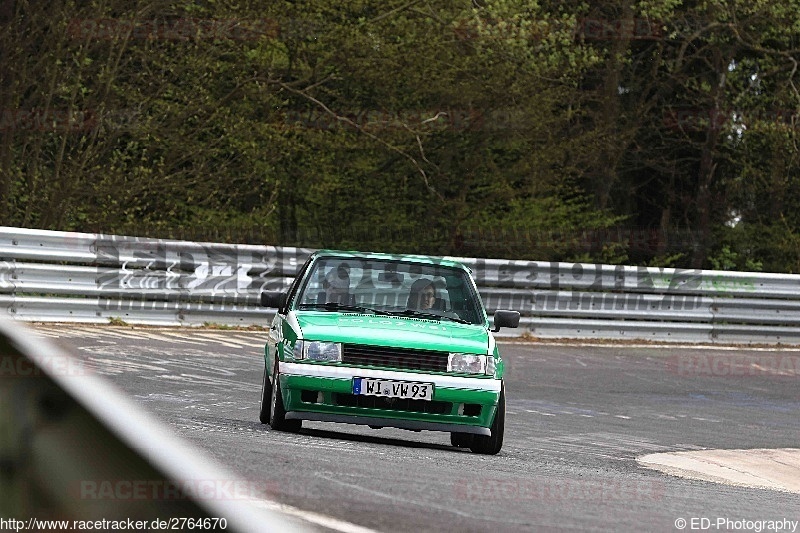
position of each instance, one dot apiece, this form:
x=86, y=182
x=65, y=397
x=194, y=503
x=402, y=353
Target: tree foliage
x=651, y=132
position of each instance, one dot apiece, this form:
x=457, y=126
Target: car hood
x=401, y=332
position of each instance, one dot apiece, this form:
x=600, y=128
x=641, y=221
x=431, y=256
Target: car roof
x=407, y=258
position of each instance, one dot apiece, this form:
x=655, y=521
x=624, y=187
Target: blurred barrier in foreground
x=76, y=455
x=81, y=277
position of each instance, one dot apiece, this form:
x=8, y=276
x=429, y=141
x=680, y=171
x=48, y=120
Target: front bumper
x=325, y=393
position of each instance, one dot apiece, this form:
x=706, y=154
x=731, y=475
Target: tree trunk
x=708, y=165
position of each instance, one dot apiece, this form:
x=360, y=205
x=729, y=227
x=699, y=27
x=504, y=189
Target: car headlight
x=466, y=363
x=330, y=352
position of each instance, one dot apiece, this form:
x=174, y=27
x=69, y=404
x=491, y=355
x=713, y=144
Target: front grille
x=384, y=357
x=396, y=404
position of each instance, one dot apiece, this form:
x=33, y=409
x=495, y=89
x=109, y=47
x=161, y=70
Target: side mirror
x=505, y=319
x=273, y=299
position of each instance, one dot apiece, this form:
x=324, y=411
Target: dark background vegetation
x=655, y=132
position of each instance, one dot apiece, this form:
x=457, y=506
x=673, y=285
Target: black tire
x=491, y=445
x=266, y=398
x=277, y=413
x=461, y=440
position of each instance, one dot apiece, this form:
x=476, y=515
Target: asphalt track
x=578, y=419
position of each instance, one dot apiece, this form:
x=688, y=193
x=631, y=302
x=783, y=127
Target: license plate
x=388, y=388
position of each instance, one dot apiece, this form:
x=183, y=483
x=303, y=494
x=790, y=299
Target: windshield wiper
x=334, y=306
x=431, y=316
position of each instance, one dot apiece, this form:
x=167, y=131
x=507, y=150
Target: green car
x=385, y=341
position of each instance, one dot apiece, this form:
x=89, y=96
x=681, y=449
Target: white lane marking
x=186, y=338
x=221, y=339
x=71, y=332
x=109, y=365
x=236, y=340
x=701, y=419
x=150, y=335
x=47, y=333
x=124, y=334
x=172, y=337
x=610, y=445
x=315, y=518
x=194, y=336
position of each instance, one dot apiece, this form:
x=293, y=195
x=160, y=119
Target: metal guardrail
x=74, y=449
x=61, y=276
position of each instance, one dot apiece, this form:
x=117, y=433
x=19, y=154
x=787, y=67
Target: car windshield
x=392, y=287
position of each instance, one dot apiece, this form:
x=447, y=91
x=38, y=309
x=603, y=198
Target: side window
x=296, y=283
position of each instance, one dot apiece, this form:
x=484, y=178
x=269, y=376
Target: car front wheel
x=266, y=398
x=492, y=444
x=277, y=412
x=461, y=440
